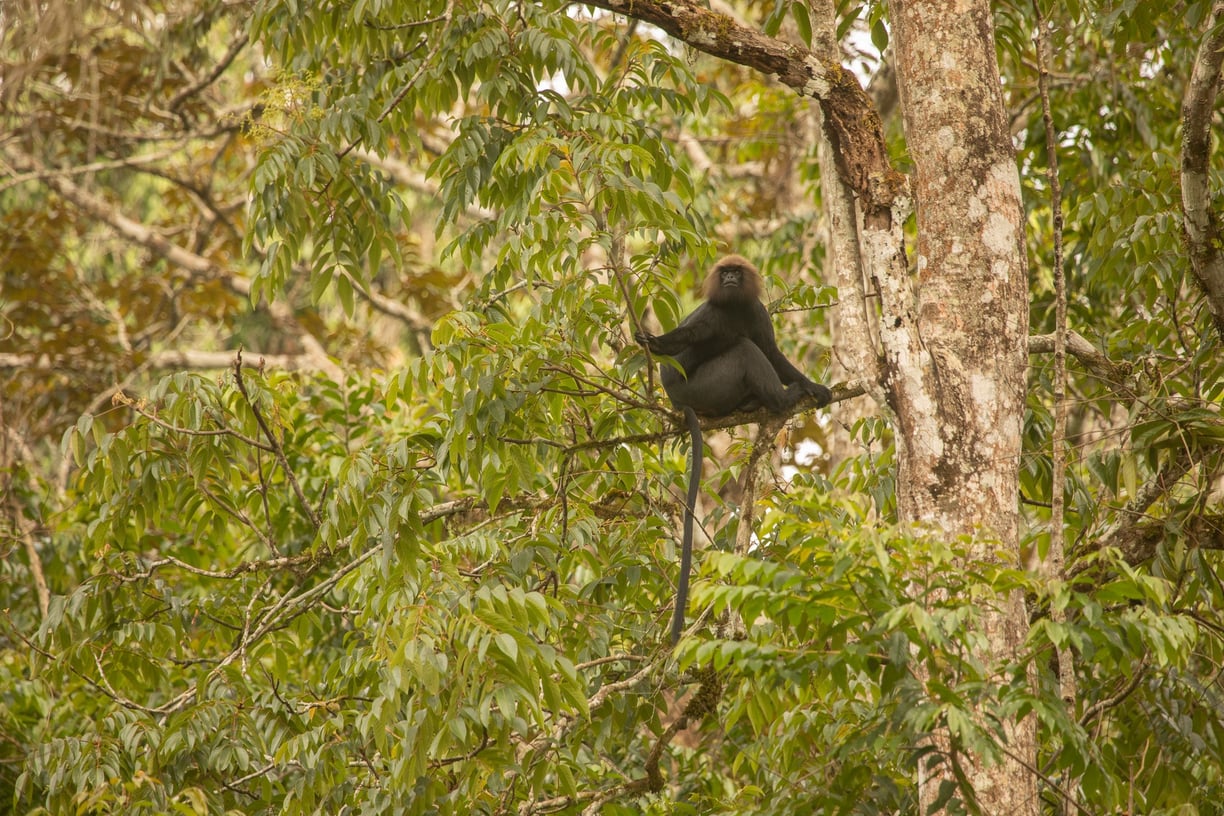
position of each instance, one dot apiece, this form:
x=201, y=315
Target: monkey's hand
x=822, y=394
x=644, y=339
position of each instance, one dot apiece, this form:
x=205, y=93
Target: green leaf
x=344, y=289
x=799, y=11
x=879, y=36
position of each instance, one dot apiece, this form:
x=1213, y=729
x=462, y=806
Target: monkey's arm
x=698, y=327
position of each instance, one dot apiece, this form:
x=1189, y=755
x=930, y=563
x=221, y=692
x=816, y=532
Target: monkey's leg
x=725, y=383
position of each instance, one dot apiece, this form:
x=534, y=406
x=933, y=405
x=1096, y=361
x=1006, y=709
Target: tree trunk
x=1202, y=224
x=959, y=411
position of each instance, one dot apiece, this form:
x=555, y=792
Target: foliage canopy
x=419, y=557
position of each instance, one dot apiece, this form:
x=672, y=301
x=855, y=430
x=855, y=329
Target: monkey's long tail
x=686, y=549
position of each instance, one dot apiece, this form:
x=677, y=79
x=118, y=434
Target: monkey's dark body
x=731, y=363
x=731, y=360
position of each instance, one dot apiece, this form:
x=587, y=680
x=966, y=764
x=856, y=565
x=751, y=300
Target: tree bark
x=1201, y=222
x=844, y=266
x=960, y=406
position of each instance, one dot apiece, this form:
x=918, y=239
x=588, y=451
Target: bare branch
x=1136, y=536
x=106, y=213
x=239, y=43
x=1056, y=556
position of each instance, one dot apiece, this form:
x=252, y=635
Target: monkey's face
x=731, y=278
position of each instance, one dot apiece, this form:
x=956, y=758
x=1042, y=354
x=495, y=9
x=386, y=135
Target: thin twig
x=277, y=449
x=1109, y=702
x=1019, y=760
x=226, y=60
x=1058, y=450
x=437, y=41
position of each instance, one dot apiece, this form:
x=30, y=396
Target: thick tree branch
x=1201, y=223
x=843, y=391
x=1077, y=346
x=1088, y=355
x=853, y=323
x=851, y=123
x=133, y=231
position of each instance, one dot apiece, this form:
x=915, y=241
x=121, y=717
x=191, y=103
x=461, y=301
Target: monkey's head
x=733, y=279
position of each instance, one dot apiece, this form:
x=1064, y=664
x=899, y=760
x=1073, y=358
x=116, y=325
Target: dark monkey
x=731, y=363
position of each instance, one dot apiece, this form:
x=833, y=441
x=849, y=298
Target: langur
x=730, y=363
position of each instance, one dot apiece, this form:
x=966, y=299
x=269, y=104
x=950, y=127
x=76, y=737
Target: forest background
x=333, y=482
